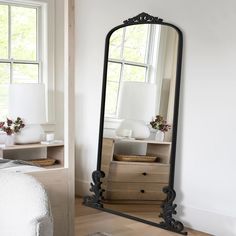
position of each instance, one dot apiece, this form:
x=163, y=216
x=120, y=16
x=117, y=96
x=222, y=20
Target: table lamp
x=136, y=106
x=27, y=101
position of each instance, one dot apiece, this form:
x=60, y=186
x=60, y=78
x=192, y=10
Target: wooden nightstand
x=54, y=178
x=35, y=151
x=135, y=181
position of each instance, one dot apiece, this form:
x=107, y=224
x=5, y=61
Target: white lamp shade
x=137, y=101
x=27, y=101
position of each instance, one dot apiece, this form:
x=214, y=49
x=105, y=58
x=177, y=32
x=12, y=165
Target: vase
x=160, y=135
x=133, y=129
x=10, y=140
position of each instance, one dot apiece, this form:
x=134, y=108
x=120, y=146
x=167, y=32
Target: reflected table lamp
x=136, y=107
x=27, y=101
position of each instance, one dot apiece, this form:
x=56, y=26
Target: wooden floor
x=90, y=221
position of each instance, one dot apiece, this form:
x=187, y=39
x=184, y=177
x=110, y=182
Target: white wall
x=206, y=160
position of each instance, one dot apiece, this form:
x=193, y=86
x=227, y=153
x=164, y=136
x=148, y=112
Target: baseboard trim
x=209, y=222
x=82, y=188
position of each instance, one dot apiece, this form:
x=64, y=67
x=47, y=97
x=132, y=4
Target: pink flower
x=160, y=124
x=11, y=127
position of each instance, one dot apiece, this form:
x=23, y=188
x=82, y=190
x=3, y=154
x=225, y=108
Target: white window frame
x=147, y=64
x=45, y=50
x=112, y=122
x=11, y=60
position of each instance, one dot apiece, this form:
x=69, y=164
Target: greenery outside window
x=130, y=59
x=20, y=48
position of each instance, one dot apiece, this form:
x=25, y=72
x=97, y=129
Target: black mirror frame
x=168, y=206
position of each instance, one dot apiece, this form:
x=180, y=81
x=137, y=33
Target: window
x=20, y=56
x=130, y=58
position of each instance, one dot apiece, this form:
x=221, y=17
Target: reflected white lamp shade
x=136, y=107
x=27, y=101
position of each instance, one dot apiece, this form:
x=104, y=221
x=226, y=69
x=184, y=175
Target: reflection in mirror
x=138, y=122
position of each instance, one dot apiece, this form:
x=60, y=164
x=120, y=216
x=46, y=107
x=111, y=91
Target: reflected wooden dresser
x=127, y=181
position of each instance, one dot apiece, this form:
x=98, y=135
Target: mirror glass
x=138, y=122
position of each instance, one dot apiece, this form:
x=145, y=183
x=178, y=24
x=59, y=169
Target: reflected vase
x=160, y=136
x=10, y=140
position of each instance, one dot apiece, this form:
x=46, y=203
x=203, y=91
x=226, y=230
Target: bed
x=18, y=166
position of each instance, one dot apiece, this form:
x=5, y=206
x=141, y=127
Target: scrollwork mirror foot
x=168, y=210
x=96, y=199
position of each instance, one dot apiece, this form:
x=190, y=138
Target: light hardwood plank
x=88, y=221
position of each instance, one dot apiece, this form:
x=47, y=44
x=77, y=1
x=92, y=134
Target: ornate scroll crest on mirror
x=143, y=18
x=168, y=206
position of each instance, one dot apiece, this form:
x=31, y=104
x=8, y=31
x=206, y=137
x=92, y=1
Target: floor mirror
x=138, y=123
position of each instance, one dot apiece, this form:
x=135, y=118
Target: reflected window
x=131, y=54
x=19, y=48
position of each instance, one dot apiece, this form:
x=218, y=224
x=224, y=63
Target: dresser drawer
x=138, y=172
x=135, y=191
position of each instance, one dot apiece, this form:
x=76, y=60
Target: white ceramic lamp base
x=30, y=134
x=138, y=129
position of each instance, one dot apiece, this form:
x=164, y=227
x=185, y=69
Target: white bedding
x=17, y=166
x=22, y=169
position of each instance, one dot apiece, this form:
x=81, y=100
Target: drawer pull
x=144, y=173
x=142, y=191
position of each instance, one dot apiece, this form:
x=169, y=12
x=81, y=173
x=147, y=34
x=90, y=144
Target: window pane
x=115, y=44
x=24, y=33
x=111, y=98
x=134, y=73
x=3, y=101
x=25, y=73
x=135, y=46
x=113, y=71
x=4, y=73
x=4, y=32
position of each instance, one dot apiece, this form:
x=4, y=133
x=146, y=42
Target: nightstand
x=35, y=151
x=54, y=178
x=128, y=181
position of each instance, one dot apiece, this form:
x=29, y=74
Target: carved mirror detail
x=138, y=124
